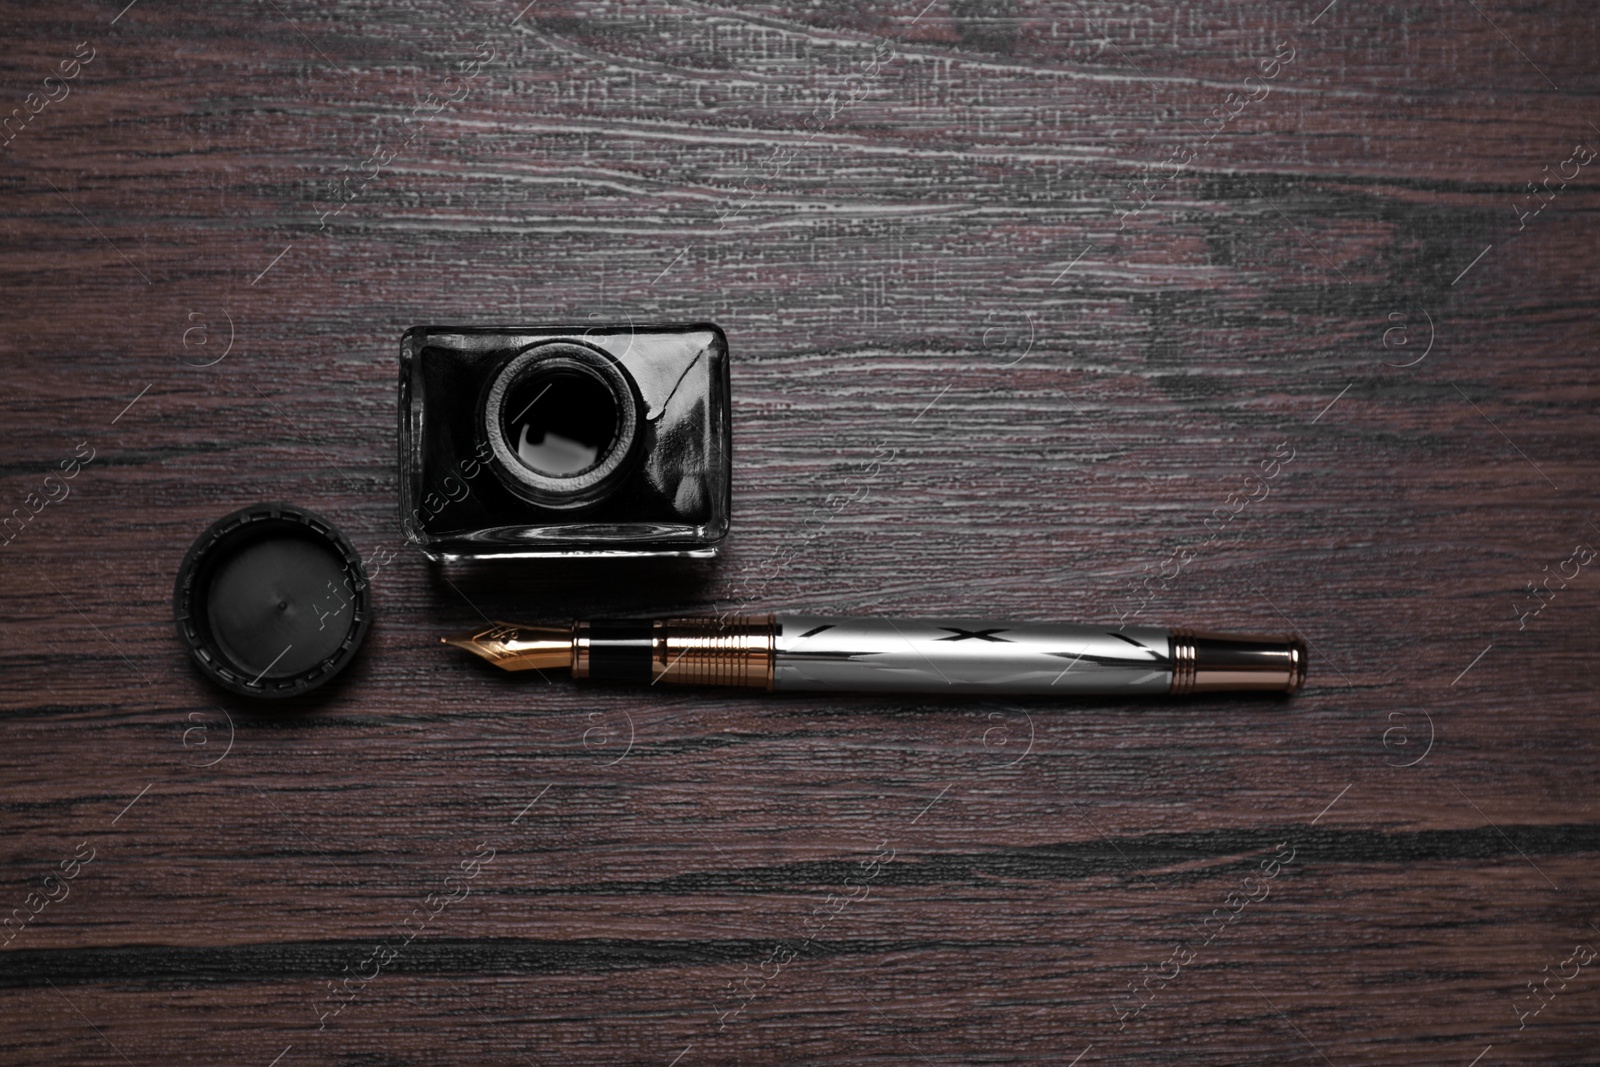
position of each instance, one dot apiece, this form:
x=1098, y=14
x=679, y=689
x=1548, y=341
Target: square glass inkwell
x=538, y=441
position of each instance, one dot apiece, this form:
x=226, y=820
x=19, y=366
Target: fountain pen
x=880, y=654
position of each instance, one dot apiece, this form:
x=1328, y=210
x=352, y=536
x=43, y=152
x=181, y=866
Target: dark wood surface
x=916, y=225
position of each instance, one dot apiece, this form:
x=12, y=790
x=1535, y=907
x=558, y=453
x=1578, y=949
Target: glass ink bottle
x=547, y=441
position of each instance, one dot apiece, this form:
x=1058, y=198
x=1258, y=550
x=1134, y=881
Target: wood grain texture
x=947, y=230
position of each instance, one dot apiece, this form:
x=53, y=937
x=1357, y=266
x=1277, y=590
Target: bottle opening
x=563, y=421
x=560, y=422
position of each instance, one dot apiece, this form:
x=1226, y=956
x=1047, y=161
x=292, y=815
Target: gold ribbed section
x=1181, y=652
x=733, y=651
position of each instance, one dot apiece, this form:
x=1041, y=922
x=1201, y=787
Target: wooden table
x=1080, y=269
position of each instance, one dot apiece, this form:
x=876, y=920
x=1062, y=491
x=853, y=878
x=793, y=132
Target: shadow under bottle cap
x=270, y=601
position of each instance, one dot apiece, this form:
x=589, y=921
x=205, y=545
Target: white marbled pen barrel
x=873, y=653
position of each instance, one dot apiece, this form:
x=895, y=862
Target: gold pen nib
x=519, y=648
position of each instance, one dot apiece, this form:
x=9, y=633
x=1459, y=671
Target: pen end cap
x=1205, y=662
x=1297, y=676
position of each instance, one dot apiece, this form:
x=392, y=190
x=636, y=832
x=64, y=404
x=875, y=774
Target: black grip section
x=620, y=650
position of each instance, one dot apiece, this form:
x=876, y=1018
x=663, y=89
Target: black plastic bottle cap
x=271, y=601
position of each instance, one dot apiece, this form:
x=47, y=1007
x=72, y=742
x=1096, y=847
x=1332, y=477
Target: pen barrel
x=952, y=655
x=963, y=655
